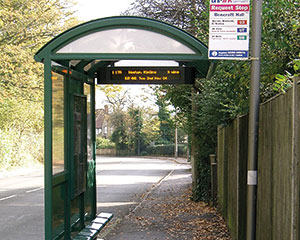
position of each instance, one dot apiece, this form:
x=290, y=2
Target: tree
x=120, y=132
x=25, y=26
x=181, y=13
x=280, y=43
x=150, y=126
x=115, y=95
x=225, y=96
x=137, y=138
x=166, y=128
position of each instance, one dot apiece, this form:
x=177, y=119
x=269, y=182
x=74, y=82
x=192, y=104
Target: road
x=122, y=183
x=22, y=206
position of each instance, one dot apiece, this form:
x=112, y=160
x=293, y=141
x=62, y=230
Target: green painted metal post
x=93, y=110
x=67, y=155
x=48, y=148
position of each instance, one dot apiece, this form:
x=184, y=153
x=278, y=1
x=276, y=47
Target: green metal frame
x=48, y=54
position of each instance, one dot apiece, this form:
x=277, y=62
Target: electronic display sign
x=146, y=75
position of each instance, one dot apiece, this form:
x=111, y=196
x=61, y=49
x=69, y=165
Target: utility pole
x=176, y=142
x=139, y=132
x=253, y=119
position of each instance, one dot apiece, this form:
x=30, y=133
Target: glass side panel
x=58, y=122
x=58, y=217
x=126, y=40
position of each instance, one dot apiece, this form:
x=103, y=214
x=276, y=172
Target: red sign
x=230, y=8
x=242, y=22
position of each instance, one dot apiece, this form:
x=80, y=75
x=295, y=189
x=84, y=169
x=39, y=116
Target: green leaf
x=280, y=77
x=296, y=65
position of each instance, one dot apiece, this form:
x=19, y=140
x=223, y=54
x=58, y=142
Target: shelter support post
x=93, y=110
x=48, y=149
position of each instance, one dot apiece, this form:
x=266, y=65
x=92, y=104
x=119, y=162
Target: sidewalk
x=168, y=213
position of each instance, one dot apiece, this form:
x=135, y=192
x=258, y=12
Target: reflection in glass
x=126, y=40
x=58, y=122
x=87, y=92
x=90, y=161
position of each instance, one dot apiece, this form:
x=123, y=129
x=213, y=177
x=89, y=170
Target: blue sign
x=228, y=54
x=242, y=30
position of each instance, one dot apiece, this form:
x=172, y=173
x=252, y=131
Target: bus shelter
x=74, y=62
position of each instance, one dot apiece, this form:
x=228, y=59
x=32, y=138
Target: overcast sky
x=93, y=9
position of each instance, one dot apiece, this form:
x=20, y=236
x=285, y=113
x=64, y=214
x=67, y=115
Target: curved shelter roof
x=101, y=42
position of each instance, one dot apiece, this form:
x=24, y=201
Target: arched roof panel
x=126, y=40
x=124, y=37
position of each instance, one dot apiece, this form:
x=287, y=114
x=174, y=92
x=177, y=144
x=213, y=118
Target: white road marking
x=34, y=190
x=12, y=196
x=20, y=218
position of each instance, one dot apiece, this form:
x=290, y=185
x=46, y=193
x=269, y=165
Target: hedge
x=166, y=150
x=103, y=143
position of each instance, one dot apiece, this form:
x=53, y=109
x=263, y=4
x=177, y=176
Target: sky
x=93, y=9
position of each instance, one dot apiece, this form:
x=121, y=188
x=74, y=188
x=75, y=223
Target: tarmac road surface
x=122, y=184
x=22, y=206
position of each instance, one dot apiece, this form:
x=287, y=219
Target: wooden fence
x=106, y=152
x=278, y=186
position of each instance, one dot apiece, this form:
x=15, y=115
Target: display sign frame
x=146, y=75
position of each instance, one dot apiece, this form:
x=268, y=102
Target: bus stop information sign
x=229, y=29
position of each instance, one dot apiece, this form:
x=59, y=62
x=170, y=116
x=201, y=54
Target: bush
x=20, y=150
x=103, y=143
x=144, y=153
x=166, y=150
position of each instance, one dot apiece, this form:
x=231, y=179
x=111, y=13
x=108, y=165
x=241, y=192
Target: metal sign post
x=228, y=40
x=253, y=119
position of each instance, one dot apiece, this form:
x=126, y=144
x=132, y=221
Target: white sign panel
x=229, y=29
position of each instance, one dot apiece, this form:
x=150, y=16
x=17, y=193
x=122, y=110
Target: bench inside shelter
x=91, y=231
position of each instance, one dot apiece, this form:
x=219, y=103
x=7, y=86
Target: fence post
x=194, y=160
x=213, y=168
x=295, y=163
